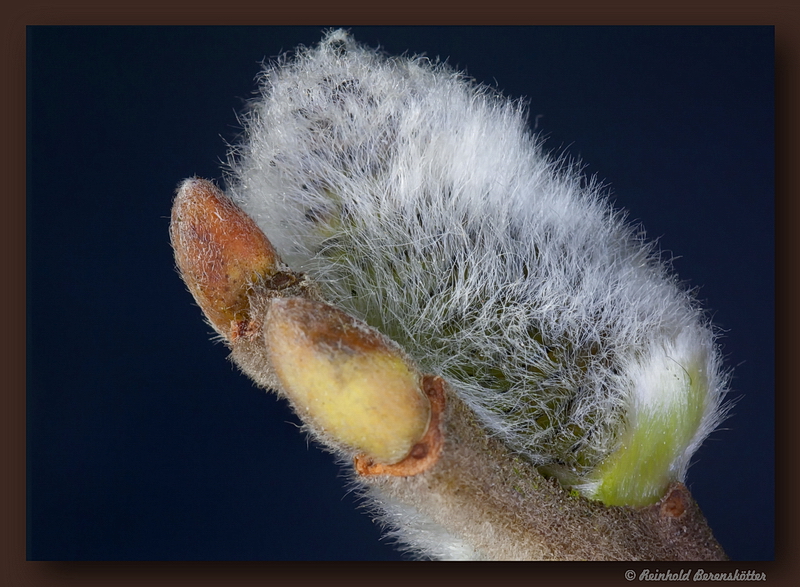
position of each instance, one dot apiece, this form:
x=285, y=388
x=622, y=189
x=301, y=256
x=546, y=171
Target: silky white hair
x=420, y=202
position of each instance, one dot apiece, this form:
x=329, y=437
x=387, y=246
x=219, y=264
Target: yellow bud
x=346, y=379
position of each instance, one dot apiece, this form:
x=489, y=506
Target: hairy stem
x=505, y=510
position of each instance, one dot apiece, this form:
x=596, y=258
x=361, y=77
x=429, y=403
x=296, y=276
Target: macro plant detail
x=511, y=370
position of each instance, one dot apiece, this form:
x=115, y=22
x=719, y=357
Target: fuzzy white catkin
x=421, y=203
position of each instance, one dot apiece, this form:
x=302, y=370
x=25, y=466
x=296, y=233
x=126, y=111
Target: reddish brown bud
x=220, y=252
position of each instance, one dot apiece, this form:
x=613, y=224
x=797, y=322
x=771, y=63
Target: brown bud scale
x=220, y=252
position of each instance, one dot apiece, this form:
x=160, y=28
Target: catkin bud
x=219, y=250
x=345, y=379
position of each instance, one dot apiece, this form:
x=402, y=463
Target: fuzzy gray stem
x=505, y=510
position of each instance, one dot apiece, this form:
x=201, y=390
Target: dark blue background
x=145, y=443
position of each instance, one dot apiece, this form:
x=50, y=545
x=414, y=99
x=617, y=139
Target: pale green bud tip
x=671, y=409
x=346, y=380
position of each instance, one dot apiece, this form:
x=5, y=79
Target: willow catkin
x=420, y=202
